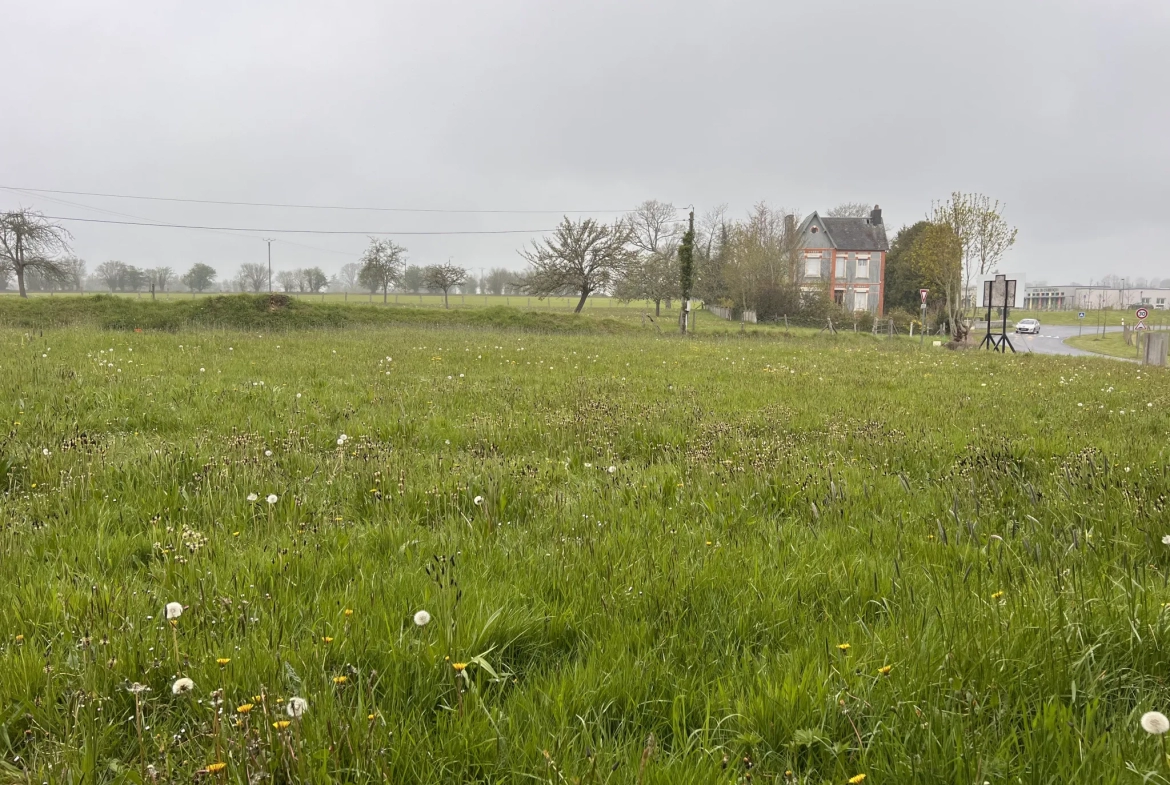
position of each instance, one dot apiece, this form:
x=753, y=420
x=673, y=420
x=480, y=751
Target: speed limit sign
x=1142, y=313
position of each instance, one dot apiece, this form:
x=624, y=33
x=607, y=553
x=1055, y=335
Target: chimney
x=875, y=216
x=790, y=225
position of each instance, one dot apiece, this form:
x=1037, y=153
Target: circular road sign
x=1142, y=313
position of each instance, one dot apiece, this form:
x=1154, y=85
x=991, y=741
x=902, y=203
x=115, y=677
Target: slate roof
x=854, y=234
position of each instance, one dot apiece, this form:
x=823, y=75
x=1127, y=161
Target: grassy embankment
x=659, y=561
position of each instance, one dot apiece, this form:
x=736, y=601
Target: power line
x=287, y=231
x=309, y=206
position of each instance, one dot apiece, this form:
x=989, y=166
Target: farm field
x=641, y=559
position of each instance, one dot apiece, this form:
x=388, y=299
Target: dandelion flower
x=422, y=618
x=268, y=453
x=281, y=724
x=326, y=639
x=182, y=685
x=45, y=452
x=272, y=498
x=478, y=500
x=612, y=469
x=885, y=670
x=349, y=611
x=844, y=646
x=252, y=497
x=1155, y=722
x=174, y=610
x=340, y=679
x=857, y=779
x=1166, y=539
x=137, y=688
x=245, y=708
x=215, y=768
x=459, y=666
x=222, y=661
x=296, y=707
x=342, y=439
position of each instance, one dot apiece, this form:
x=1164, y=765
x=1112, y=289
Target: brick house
x=848, y=257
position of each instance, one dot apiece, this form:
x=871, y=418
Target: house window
x=812, y=266
x=841, y=264
x=861, y=301
x=862, y=266
x=839, y=296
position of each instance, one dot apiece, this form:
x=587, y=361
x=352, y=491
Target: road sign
x=922, y=293
x=1081, y=315
x=1142, y=313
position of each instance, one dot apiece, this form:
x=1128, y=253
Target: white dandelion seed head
x=202, y=370
x=45, y=452
x=252, y=497
x=422, y=618
x=1166, y=539
x=268, y=453
x=174, y=610
x=1155, y=722
x=272, y=498
x=612, y=469
x=298, y=395
x=137, y=688
x=296, y=707
x=478, y=500
x=182, y=685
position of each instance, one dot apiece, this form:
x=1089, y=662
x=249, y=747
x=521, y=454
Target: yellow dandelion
x=844, y=646
x=20, y=639
x=997, y=595
x=857, y=779
x=281, y=724
x=223, y=661
x=245, y=708
x=340, y=679
x=371, y=717
x=327, y=639
x=459, y=666
x=349, y=611
x=885, y=670
x=257, y=698
x=215, y=768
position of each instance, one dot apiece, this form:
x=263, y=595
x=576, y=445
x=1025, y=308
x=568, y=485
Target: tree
x=686, y=271
x=903, y=279
x=29, y=242
x=315, y=279
x=381, y=265
x=199, y=278
x=650, y=276
x=582, y=257
x=850, y=210
x=497, y=279
x=983, y=235
x=443, y=277
x=253, y=276
x=112, y=274
x=412, y=279
x=935, y=254
x=347, y=277
x=161, y=277
x=288, y=279
x=72, y=273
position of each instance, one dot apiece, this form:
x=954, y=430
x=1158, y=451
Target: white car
x=1028, y=326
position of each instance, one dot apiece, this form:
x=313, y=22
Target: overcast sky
x=1059, y=108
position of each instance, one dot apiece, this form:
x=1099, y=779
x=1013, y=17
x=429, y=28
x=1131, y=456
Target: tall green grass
x=661, y=561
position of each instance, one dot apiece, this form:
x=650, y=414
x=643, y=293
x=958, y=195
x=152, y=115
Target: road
x=1051, y=340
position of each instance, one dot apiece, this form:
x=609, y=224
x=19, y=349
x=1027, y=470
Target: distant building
x=848, y=255
x=1082, y=298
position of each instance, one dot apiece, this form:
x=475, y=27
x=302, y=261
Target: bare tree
x=381, y=265
x=850, y=210
x=347, y=277
x=651, y=276
x=112, y=274
x=654, y=226
x=161, y=277
x=582, y=257
x=982, y=233
x=497, y=279
x=30, y=242
x=443, y=277
x=253, y=275
x=288, y=279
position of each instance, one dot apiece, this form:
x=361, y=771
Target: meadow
x=466, y=553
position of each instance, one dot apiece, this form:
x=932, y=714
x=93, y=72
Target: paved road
x=1051, y=340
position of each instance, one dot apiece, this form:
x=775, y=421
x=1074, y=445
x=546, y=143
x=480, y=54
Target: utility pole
x=269, y=264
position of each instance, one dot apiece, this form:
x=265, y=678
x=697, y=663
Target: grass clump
x=641, y=560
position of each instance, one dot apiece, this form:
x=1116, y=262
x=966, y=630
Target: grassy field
x=1112, y=344
x=644, y=560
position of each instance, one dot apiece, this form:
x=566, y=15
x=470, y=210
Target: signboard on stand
x=998, y=293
